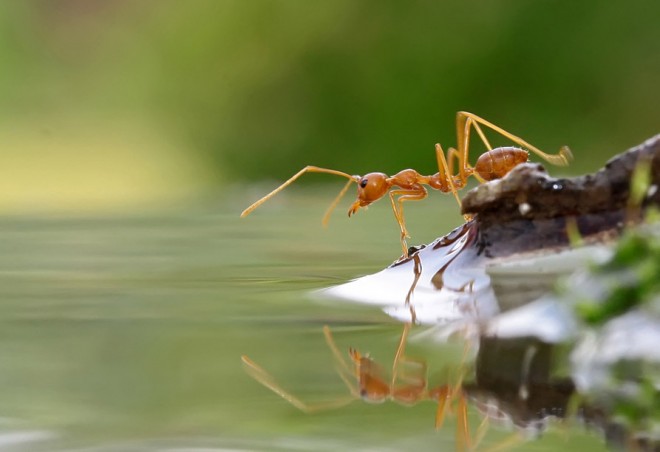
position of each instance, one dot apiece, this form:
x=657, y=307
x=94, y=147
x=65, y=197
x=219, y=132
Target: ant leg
x=343, y=368
x=462, y=371
x=444, y=170
x=507, y=443
x=463, y=440
x=562, y=158
x=464, y=124
x=417, y=273
x=411, y=372
x=443, y=394
x=468, y=169
x=463, y=143
x=472, y=123
x=307, y=169
x=406, y=195
x=452, y=154
x=482, y=429
x=399, y=351
x=263, y=377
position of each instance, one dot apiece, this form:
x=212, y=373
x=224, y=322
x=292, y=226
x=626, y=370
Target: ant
x=407, y=386
x=495, y=163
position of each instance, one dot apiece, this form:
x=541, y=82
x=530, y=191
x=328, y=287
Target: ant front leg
x=415, y=194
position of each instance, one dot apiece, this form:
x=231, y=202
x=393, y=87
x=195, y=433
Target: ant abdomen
x=496, y=163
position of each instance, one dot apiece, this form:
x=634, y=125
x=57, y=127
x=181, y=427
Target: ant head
x=371, y=187
x=371, y=385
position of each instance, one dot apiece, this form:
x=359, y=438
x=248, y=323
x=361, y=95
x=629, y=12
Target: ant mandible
x=492, y=164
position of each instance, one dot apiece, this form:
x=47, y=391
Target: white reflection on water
x=23, y=439
x=632, y=336
x=449, y=284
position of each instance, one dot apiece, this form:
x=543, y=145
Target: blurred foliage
x=616, y=363
x=629, y=279
x=257, y=89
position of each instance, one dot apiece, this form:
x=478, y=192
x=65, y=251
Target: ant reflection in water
x=493, y=164
x=366, y=380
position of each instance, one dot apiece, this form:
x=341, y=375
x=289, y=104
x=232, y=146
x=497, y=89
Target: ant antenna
x=307, y=169
x=326, y=216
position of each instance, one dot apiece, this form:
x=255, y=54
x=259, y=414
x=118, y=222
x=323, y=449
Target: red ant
x=407, y=386
x=493, y=164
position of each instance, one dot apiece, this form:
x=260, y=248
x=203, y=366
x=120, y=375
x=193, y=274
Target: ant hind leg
x=464, y=124
x=562, y=158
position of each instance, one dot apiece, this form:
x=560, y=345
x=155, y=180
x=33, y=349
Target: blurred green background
x=126, y=321
x=108, y=104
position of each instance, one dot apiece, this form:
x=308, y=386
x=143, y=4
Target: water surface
x=125, y=331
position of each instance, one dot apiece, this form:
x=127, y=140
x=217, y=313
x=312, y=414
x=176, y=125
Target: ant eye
x=363, y=183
